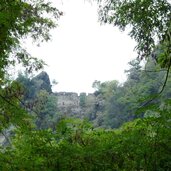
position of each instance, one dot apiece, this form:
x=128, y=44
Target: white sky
x=82, y=51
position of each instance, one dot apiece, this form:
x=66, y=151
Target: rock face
x=42, y=82
x=72, y=104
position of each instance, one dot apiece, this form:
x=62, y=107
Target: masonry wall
x=69, y=104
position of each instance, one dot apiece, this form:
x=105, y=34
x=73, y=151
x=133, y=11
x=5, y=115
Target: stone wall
x=69, y=104
x=67, y=99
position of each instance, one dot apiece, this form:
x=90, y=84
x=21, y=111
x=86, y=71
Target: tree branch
x=162, y=89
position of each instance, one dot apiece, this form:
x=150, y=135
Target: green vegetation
x=39, y=100
x=18, y=20
x=139, y=145
x=129, y=125
x=149, y=23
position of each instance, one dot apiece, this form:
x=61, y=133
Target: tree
x=39, y=99
x=149, y=23
x=120, y=103
x=18, y=20
x=150, y=26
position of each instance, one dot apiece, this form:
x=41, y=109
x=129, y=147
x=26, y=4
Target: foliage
x=149, y=23
x=39, y=100
x=19, y=20
x=143, y=144
x=119, y=103
x=73, y=144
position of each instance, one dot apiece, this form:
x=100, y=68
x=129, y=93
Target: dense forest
x=122, y=127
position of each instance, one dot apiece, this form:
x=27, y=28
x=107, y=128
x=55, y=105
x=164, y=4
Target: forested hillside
x=111, y=105
x=122, y=127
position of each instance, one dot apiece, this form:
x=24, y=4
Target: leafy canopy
x=149, y=22
x=20, y=19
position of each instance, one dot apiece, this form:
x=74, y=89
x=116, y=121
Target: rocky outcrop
x=42, y=82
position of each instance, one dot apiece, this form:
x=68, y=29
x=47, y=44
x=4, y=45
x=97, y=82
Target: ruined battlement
x=68, y=99
x=71, y=103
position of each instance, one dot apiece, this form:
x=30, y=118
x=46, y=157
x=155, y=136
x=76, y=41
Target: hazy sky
x=82, y=50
